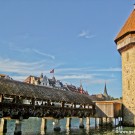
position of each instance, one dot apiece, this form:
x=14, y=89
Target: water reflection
x=68, y=131
x=35, y=126
x=87, y=129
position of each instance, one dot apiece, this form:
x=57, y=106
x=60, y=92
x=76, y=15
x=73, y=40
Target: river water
x=32, y=126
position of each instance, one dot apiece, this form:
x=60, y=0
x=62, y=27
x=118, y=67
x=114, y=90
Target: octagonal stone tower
x=125, y=41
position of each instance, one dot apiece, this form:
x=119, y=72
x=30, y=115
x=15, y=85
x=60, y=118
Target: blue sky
x=75, y=37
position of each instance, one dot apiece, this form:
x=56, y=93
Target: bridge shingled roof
x=11, y=87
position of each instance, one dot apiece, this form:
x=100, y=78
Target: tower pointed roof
x=105, y=91
x=81, y=87
x=128, y=27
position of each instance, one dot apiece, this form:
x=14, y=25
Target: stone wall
x=128, y=85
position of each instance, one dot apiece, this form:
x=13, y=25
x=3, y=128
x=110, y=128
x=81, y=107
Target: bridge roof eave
x=12, y=87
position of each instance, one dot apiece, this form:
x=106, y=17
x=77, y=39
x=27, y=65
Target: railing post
x=48, y=102
x=62, y=104
x=1, y=98
x=33, y=101
x=74, y=105
x=16, y=99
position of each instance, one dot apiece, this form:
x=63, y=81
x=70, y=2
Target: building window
x=127, y=56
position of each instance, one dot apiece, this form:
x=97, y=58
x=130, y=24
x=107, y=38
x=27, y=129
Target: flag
x=52, y=71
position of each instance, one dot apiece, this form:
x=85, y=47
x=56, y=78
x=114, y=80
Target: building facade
x=53, y=83
x=125, y=41
x=101, y=97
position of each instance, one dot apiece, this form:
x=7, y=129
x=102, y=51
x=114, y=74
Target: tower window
x=128, y=85
x=127, y=56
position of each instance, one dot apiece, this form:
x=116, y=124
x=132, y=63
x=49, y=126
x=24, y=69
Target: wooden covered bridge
x=19, y=100
x=15, y=94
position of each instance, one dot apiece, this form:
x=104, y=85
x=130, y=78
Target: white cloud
x=28, y=50
x=88, y=69
x=19, y=70
x=61, y=70
x=82, y=76
x=98, y=81
x=18, y=67
x=44, y=54
x=101, y=81
x=107, y=70
x=24, y=50
x=20, y=78
x=88, y=75
x=85, y=34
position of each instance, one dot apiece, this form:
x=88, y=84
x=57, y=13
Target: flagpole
x=52, y=71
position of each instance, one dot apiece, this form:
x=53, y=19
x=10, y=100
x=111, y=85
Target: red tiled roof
x=129, y=26
x=2, y=75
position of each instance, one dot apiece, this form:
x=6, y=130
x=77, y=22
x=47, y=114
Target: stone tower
x=125, y=41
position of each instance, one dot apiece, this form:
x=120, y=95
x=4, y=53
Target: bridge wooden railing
x=17, y=111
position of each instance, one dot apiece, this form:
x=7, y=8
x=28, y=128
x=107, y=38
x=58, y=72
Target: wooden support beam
x=95, y=122
x=5, y=126
x=87, y=120
x=43, y=125
x=1, y=125
x=68, y=123
x=100, y=121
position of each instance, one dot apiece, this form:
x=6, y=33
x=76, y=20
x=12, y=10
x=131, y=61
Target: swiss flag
x=52, y=71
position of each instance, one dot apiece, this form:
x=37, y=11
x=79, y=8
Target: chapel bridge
x=19, y=99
